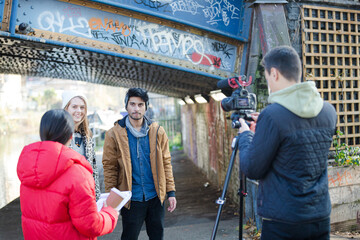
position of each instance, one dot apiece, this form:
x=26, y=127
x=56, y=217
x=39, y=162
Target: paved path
x=193, y=219
x=196, y=210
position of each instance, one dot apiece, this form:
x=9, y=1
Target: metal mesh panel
x=331, y=54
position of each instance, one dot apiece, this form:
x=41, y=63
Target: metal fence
x=166, y=112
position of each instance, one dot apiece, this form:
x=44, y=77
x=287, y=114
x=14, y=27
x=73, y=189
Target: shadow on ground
x=193, y=219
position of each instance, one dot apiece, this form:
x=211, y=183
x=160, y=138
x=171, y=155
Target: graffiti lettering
x=216, y=62
x=109, y=24
x=210, y=60
x=141, y=35
x=126, y=41
x=340, y=180
x=154, y=3
x=100, y=35
x=185, y=6
x=222, y=47
x=163, y=41
x=50, y=22
x=219, y=11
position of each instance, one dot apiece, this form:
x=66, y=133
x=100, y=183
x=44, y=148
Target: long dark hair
x=56, y=125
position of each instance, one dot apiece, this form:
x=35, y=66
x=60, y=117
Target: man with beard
x=136, y=158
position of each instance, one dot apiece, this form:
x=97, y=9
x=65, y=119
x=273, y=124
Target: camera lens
x=244, y=93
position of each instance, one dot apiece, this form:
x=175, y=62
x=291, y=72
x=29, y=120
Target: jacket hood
x=121, y=122
x=302, y=99
x=41, y=163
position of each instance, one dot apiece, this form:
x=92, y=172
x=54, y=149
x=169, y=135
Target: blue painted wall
x=2, y=5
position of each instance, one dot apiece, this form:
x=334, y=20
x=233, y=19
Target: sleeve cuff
x=171, y=194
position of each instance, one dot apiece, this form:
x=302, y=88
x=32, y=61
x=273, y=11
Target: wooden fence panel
x=331, y=58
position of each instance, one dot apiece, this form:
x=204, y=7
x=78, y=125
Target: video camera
x=240, y=101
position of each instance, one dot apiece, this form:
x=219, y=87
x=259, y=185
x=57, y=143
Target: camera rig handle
x=242, y=82
x=234, y=82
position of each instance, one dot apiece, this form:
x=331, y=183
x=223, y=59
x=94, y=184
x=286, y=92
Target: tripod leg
x=242, y=193
x=221, y=200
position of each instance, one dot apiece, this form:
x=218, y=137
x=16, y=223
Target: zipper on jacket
x=157, y=174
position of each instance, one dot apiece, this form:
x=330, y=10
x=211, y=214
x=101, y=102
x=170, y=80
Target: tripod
x=241, y=192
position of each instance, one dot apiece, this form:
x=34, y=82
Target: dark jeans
x=272, y=230
x=152, y=212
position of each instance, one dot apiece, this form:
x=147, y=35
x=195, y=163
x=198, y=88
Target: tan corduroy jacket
x=117, y=162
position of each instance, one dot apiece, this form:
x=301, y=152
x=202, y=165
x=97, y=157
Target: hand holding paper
x=116, y=199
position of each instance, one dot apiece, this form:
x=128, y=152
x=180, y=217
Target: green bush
x=345, y=155
x=175, y=142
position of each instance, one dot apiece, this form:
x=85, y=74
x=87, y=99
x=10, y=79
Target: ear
x=274, y=73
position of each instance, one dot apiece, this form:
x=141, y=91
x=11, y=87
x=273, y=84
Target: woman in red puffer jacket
x=57, y=193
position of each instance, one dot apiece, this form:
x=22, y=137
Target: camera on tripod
x=241, y=100
x=243, y=103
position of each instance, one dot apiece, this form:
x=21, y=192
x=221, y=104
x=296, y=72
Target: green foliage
x=344, y=154
x=175, y=142
x=49, y=98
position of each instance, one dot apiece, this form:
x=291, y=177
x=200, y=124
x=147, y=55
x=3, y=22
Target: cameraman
x=289, y=152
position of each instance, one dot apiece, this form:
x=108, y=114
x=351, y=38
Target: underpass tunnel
x=175, y=48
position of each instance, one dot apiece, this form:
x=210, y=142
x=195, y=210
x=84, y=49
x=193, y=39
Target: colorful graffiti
x=188, y=6
x=221, y=15
x=221, y=11
x=57, y=22
x=109, y=24
x=154, y=4
x=340, y=179
x=81, y=21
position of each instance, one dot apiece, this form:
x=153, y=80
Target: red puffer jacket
x=57, y=195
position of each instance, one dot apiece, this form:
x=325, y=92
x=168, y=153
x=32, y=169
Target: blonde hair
x=83, y=127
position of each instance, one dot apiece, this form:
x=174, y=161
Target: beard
x=136, y=116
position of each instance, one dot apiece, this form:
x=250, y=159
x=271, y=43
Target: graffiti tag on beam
x=221, y=16
x=109, y=24
x=127, y=32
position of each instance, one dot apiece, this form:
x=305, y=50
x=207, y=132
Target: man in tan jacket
x=137, y=158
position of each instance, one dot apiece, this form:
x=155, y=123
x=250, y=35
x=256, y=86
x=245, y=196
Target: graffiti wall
x=207, y=141
x=207, y=138
x=344, y=188
x=95, y=24
x=220, y=16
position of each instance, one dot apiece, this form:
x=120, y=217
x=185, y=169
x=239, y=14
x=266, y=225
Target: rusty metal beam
x=272, y=25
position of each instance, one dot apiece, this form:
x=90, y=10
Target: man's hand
x=172, y=203
x=244, y=127
x=255, y=116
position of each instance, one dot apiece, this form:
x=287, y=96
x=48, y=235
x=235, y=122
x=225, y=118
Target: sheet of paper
x=126, y=195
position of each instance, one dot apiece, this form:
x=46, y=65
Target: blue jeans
x=319, y=230
x=152, y=212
